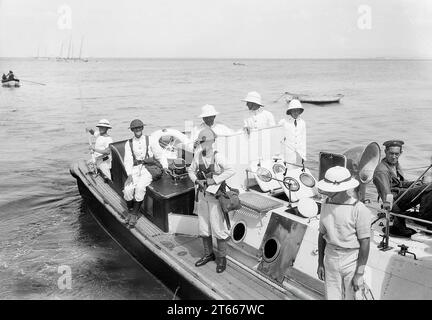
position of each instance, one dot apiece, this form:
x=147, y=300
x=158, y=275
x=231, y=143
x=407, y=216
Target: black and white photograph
x=231, y=150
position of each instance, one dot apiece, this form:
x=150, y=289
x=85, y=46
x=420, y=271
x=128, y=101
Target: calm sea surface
x=43, y=221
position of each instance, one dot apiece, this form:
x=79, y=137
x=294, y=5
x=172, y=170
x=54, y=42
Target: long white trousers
x=340, y=265
x=210, y=217
x=141, y=178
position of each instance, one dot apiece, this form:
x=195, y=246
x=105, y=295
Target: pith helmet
x=104, y=123
x=136, y=123
x=294, y=104
x=208, y=111
x=337, y=179
x=254, y=97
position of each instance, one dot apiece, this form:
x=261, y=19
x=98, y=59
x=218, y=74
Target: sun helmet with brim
x=253, y=97
x=294, y=104
x=104, y=123
x=208, y=111
x=337, y=179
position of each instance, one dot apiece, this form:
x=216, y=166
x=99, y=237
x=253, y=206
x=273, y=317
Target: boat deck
x=181, y=252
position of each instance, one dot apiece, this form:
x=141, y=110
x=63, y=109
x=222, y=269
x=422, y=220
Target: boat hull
x=312, y=101
x=143, y=255
x=11, y=84
x=319, y=100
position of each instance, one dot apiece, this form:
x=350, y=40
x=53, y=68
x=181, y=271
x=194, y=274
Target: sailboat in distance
x=70, y=52
x=80, y=52
x=60, y=56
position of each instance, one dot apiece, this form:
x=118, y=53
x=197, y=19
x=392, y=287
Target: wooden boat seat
x=258, y=203
x=163, y=196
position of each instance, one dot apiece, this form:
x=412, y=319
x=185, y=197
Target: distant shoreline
x=227, y=59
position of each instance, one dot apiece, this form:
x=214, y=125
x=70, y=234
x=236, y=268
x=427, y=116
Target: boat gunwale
x=203, y=284
x=152, y=245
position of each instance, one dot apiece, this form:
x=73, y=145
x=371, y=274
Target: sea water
x=45, y=227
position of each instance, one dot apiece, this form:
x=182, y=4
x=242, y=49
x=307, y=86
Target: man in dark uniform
x=389, y=179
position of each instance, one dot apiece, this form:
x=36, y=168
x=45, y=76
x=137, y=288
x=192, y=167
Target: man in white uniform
x=208, y=115
x=294, y=140
x=138, y=175
x=258, y=117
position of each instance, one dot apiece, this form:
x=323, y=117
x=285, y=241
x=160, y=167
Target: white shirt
x=101, y=143
x=139, y=148
x=259, y=119
x=295, y=136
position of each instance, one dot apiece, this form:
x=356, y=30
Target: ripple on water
x=49, y=238
x=43, y=224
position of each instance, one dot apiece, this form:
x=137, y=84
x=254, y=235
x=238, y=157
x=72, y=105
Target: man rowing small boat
x=11, y=76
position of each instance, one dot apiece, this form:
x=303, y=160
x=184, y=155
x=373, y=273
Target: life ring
x=180, y=141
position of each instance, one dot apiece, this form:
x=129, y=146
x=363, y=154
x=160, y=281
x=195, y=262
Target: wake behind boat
x=273, y=245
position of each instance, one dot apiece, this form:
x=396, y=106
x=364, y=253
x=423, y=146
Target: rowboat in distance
x=314, y=99
x=10, y=83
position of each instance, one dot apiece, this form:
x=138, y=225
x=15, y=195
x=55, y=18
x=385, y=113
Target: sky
x=278, y=29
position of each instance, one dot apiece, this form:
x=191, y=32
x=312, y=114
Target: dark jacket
x=386, y=181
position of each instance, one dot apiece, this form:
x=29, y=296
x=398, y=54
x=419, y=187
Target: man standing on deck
x=258, y=117
x=389, y=179
x=137, y=150
x=344, y=236
x=208, y=115
x=294, y=140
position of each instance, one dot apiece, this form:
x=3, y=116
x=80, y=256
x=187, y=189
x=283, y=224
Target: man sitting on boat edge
x=389, y=179
x=141, y=162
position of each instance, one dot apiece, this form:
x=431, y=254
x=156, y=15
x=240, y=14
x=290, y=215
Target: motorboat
x=273, y=248
x=315, y=99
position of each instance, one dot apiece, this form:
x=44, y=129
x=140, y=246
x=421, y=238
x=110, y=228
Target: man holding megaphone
x=389, y=180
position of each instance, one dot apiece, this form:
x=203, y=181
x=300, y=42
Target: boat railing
x=384, y=245
x=415, y=219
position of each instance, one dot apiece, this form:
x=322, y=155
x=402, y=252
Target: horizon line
x=214, y=58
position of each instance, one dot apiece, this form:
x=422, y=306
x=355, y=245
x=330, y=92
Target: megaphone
x=361, y=162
